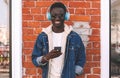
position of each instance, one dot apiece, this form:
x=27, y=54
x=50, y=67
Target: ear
x=67, y=16
x=48, y=15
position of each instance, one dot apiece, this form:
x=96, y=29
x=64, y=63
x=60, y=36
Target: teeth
x=57, y=22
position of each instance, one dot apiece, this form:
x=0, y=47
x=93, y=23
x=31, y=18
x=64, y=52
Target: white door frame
x=105, y=26
x=17, y=38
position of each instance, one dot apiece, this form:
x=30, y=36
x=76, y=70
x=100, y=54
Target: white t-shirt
x=56, y=64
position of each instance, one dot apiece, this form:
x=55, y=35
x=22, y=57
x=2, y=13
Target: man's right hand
x=53, y=54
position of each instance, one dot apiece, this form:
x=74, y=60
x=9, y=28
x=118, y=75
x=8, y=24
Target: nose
x=57, y=18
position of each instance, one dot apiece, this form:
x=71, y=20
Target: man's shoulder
x=42, y=34
x=73, y=33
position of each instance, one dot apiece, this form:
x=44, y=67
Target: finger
x=58, y=54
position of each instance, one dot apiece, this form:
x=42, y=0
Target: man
x=58, y=50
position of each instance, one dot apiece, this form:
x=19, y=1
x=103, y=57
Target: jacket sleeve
x=37, y=52
x=80, y=56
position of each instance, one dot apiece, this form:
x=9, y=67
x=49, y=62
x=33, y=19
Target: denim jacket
x=74, y=55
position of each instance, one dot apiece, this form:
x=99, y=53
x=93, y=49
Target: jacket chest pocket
x=72, y=47
x=72, y=50
x=44, y=49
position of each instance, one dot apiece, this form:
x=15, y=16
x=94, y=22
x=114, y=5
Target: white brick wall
x=84, y=30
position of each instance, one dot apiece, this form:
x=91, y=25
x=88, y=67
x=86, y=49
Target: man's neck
x=57, y=30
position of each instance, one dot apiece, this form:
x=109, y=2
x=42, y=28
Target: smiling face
x=57, y=17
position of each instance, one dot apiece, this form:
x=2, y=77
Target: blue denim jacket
x=74, y=55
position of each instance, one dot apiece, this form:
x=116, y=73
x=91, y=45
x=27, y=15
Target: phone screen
x=57, y=48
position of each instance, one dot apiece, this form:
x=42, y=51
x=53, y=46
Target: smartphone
x=57, y=48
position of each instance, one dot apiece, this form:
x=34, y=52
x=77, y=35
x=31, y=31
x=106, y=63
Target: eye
x=53, y=16
x=61, y=15
x=57, y=15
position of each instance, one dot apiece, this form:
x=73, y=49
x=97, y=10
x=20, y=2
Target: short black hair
x=58, y=5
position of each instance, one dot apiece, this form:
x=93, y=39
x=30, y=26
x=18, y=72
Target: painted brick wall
x=85, y=17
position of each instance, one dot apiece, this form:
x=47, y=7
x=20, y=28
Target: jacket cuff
x=78, y=70
x=39, y=61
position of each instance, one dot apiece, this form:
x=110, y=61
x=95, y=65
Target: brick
x=36, y=10
x=87, y=70
x=80, y=76
x=66, y=3
x=45, y=24
x=95, y=24
x=28, y=0
x=96, y=32
x=37, y=30
x=89, y=57
x=39, y=76
x=96, y=58
x=39, y=17
x=95, y=18
x=93, y=51
x=80, y=11
x=94, y=38
x=28, y=76
x=28, y=65
x=27, y=17
x=29, y=37
x=44, y=10
x=80, y=4
x=92, y=0
x=39, y=71
x=43, y=3
x=96, y=44
x=79, y=18
x=72, y=10
x=69, y=23
x=23, y=58
x=93, y=76
x=27, y=51
x=28, y=4
x=34, y=24
x=96, y=70
x=35, y=76
x=93, y=64
x=30, y=71
x=27, y=31
x=92, y=11
x=24, y=23
x=26, y=10
x=28, y=44
x=95, y=4
x=28, y=58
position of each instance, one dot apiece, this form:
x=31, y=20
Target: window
x=4, y=39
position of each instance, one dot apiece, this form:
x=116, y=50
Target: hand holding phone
x=56, y=52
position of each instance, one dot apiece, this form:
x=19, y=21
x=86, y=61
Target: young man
x=58, y=50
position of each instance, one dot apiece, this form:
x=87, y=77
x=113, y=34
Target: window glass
x=4, y=39
x=115, y=38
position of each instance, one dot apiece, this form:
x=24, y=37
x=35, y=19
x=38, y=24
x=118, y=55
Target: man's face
x=57, y=17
